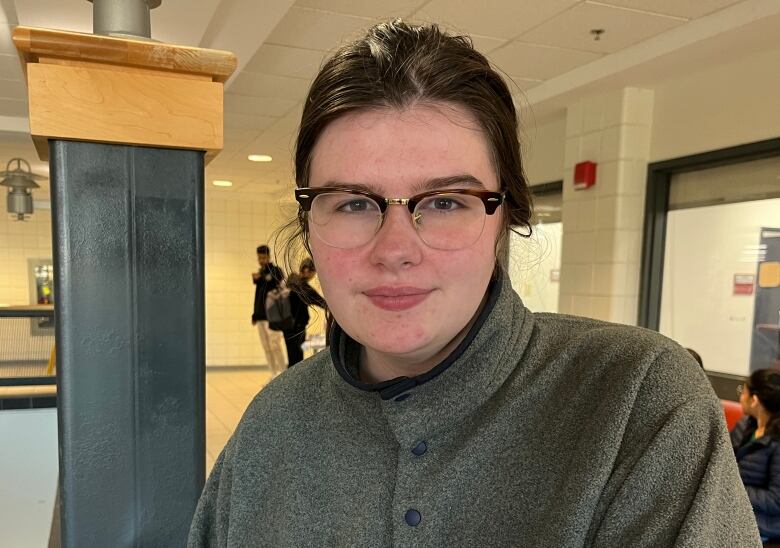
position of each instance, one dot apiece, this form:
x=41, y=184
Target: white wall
x=543, y=148
x=704, y=249
x=717, y=107
x=28, y=476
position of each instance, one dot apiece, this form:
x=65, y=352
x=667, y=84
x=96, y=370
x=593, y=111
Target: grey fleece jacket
x=541, y=430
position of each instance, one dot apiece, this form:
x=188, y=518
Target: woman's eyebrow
x=462, y=179
x=436, y=183
x=351, y=186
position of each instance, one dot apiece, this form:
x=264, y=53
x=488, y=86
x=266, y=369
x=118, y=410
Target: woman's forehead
x=386, y=146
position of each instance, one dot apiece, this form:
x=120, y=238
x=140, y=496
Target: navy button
x=413, y=518
x=420, y=448
x=402, y=397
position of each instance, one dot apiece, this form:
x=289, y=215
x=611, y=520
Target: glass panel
x=711, y=297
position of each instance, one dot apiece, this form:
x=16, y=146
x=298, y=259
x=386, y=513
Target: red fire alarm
x=584, y=175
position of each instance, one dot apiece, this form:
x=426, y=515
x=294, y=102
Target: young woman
x=756, y=442
x=446, y=413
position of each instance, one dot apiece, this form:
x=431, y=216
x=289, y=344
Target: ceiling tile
x=176, y=22
x=265, y=106
x=499, y=18
x=247, y=122
x=316, y=29
x=269, y=85
x=486, y=44
x=238, y=138
x=538, y=62
x=286, y=61
x=623, y=28
x=375, y=9
x=681, y=8
x=284, y=130
x=518, y=84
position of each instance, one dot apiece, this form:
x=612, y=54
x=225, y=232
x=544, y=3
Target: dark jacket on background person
x=759, y=467
x=270, y=277
x=539, y=430
x=302, y=295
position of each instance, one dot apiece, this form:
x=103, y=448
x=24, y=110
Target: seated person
x=756, y=442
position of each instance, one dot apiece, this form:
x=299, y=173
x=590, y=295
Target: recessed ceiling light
x=218, y=182
x=259, y=158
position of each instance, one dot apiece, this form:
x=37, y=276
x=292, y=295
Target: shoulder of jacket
x=291, y=392
x=573, y=328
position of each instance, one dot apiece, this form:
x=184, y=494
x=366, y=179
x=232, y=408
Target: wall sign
x=744, y=284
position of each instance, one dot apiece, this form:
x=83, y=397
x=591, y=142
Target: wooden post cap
x=87, y=87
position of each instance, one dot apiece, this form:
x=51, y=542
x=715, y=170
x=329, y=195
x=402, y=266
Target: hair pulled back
x=765, y=385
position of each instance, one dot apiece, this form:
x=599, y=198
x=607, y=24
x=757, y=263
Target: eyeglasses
x=446, y=219
x=741, y=389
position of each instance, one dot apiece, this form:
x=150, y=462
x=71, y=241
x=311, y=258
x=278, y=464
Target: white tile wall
x=235, y=225
x=602, y=225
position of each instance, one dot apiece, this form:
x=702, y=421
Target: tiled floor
x=228, y=392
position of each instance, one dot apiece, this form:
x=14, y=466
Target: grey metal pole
x=128, y=249
x=126, y=18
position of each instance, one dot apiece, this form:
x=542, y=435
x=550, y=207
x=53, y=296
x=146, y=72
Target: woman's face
x=396, y=295
x=749, y=402
x=744, y=399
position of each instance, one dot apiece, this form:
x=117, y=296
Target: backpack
x=278, y=310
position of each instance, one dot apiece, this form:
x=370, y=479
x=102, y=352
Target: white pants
x=272, y=342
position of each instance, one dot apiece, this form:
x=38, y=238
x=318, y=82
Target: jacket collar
x=454, y=388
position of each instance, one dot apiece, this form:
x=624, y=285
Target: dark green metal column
x=128, y=252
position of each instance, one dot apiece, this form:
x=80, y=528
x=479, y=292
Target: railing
x=27, y=345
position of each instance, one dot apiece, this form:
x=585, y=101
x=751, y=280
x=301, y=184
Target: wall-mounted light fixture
x=20, y=183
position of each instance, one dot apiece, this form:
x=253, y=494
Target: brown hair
x=765, y=384
x=396, y=65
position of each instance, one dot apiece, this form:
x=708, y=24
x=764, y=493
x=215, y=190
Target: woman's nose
x=397, y=243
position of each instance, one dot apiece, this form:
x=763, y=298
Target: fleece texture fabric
x=542, y=430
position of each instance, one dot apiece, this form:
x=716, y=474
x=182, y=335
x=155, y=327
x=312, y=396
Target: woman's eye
x=443, y=203
x=356, y=206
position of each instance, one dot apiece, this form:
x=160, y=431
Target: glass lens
x=344, y=220
x=450, y=221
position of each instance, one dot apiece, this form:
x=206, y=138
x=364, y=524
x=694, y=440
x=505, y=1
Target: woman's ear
x=754, y=403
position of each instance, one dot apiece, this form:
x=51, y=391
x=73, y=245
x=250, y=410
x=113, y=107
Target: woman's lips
x=397, y=298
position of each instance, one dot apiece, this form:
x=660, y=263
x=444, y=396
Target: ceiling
x=545, y=47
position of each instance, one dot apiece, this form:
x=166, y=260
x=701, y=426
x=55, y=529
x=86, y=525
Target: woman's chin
x=415, y=349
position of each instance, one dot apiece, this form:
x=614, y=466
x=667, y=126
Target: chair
x=733, y=412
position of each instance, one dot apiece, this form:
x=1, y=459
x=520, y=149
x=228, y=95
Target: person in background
x=302, y=295
x=265, y=279
x=756, y=443
x=446, y=413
